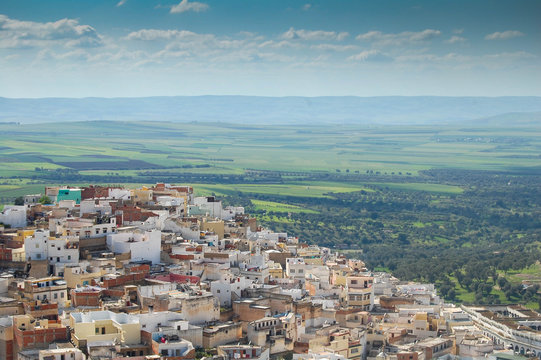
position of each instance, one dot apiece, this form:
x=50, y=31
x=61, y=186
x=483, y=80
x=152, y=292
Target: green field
x=218, y=156
x=272, y=206
x=301, y=190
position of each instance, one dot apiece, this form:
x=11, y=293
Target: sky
x=129, y=48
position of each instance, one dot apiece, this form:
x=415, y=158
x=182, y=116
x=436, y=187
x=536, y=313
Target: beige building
x=215, y=226
x=62, y=354
x=52, y=289
x=222, y=334
x=75, y=276
x=104, y=326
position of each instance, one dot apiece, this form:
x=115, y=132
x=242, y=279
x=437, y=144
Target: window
x=37, y=246
x=292, y=271
x=62, y=295
x=218, y=291
x=353, y=282
x=69, y=257
x=301, y=271
x=38, y=256
x=56, y=295
x=97, y=330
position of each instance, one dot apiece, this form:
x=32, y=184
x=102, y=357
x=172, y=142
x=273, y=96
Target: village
x=158, y=273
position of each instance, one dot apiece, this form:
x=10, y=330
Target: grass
x=390, y=149
x=271, y=206
x=433, y=188
x=295, y=190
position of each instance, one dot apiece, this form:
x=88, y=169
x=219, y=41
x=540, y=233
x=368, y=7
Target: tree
x=19, y=201
x=45, y=200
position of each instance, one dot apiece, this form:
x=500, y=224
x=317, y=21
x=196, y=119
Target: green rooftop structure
x=69, y=194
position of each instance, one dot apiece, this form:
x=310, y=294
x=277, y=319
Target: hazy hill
x=267, y=110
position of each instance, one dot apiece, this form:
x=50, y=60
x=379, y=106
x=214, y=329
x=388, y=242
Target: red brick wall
x=5, y=254
x=144, y=268
x=29, y=339
x=123, y=280
x=83, y=298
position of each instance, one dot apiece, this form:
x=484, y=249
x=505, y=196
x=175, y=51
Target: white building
x=14, y=216
x=62, y=354
x=209, y=205
x=59, y=252
x=101, y=207
x=83, y=228
x=229, y=288
x=143, y=246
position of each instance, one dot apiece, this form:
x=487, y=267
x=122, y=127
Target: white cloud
x=456, y=39
x=185, y=5
x=156, y=34
x=307, y=7
x=279, y=44
x=121, y=2
x=381, y=38
x=512, y=55
x=64, y=32
x=504, y=35
x=458, y=31
x=312, y=35
x=333, y=47
x=371, y=55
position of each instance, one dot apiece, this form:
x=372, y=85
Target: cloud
x=371, y=55
x=381, y=38
x=184, y=6
x=307, y=7
x=65, y=32
x=156, y=34
x=333, y=47
x=458, y=31
x=504, y=35
x=121, y=2
x=279, y=44
x=311, y=35
x=512, y=55
x=455, y=39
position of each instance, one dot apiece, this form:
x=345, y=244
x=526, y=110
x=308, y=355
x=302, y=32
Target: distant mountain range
x=253, y=110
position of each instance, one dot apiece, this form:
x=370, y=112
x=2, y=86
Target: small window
x=69, y=257
x=62, y=295
x=218, y=291
x=37, y=246
x=97, y=330
x=38, y=256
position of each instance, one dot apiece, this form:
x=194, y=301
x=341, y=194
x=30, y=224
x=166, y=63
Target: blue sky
x=269, y=48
